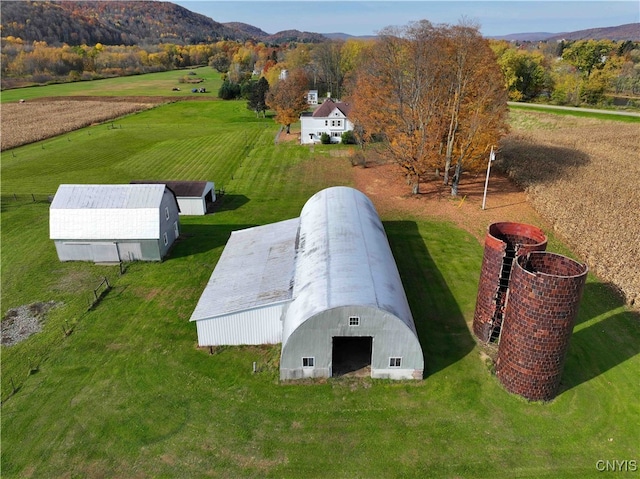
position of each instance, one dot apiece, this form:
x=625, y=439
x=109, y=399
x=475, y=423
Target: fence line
x=26, y=198
x=84, y=304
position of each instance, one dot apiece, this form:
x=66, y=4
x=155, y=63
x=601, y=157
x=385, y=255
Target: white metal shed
x=112, y=223
x=194, y=197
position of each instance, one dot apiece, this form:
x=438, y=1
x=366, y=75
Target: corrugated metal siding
x=96, y=224
x=343, y=258
x=192, y=206
x=255, y=269
x=255, y=326
x=107, y=212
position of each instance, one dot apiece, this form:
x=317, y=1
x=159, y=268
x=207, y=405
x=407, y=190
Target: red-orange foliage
x=288, y=97
x=434, y=95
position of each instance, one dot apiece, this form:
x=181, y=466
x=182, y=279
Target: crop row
x=28, y=122
x=582, y=176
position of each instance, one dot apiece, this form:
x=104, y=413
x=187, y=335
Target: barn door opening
x=351, y=356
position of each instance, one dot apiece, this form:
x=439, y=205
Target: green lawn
x=128, y=394
x=150, y=84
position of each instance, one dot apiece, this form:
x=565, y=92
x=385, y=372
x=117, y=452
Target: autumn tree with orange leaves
x=288, y=98
x=434, y=96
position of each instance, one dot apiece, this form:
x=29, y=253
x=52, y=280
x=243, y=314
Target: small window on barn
x=308, y=362
x=165, y=238
x=166, y=212
x=354, y=320
x=176, y=230
x=395, y=362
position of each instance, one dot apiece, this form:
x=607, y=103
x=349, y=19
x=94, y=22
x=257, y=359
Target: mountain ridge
x=117, y=22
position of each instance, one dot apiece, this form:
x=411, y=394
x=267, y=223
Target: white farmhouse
x=331, y=117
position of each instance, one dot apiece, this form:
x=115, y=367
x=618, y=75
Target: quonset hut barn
x=325, y=285
x=113, y=223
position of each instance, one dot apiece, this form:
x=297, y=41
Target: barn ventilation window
x=165, y=238
x=308, y=362
x=176, y=230
x=395, y=362
x=166, y=212
x=354, y=320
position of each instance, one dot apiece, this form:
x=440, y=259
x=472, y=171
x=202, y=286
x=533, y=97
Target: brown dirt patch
x=384, y=185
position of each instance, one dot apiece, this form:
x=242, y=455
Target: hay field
x=583, y=176
x=35, y=120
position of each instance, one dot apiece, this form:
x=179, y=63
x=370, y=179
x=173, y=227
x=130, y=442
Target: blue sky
x=368, y=17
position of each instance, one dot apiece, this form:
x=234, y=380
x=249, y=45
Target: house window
x=165, y=238
x=395, y=362
x=326, y=122
x=166, y=212
x=333, y=123
x=308, y=362
x=339, y=123
x=354, y=320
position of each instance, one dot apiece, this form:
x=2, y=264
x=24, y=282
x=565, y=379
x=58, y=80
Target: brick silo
x=543, y=303
x=502, y=243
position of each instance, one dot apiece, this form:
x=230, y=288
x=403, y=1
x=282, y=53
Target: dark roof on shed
x=180, y=188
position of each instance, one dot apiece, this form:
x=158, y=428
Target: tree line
x=432, y=98
x=590, y=72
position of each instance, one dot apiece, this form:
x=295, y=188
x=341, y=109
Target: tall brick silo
x=503, y=242
x=544, y=297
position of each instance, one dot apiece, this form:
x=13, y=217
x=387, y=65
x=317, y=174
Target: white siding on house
x=334, y=124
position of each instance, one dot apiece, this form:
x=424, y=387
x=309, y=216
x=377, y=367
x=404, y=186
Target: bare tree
x=327, y=58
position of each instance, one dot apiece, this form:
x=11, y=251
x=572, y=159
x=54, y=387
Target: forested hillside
x=125, y=23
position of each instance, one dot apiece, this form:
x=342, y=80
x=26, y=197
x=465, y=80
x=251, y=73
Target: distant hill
x=249, y=31
x=346, y=36
x=126, y=23
x=141, y=22
x=630, y=31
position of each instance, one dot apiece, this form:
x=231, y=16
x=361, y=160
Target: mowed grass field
x=150, y=84
x=128, y=394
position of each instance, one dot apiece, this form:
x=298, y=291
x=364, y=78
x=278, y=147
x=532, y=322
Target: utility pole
x=492, y=157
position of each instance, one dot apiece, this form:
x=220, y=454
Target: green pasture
x=150, y=84
x=121, y=390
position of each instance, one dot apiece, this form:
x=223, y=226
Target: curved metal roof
x=343, y=259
